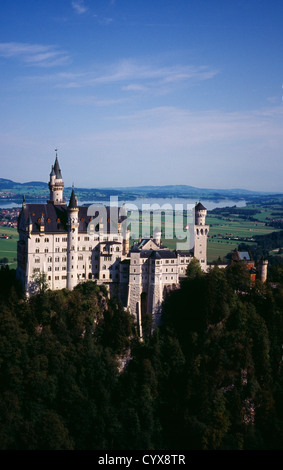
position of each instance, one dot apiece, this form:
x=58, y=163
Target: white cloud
x=135, y=76
x=134, y=87
x=34, y=54
x=79, y=6
x=132, y=70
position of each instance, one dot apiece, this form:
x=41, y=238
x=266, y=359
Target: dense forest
x=74, y=375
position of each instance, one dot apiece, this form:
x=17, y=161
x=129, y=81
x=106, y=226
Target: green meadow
x=8, y=247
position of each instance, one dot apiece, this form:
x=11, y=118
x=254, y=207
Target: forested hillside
x=73, y=374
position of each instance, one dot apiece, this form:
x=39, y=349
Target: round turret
x=56, y=185
x=200, y=214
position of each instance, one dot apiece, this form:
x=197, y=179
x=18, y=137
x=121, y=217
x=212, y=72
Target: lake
x=141, y=202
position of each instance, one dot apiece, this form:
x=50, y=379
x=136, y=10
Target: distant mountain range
x=12, y=190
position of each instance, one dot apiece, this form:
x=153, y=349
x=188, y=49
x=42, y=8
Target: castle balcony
x=106, y=256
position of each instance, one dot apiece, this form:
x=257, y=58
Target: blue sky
x=143, y=92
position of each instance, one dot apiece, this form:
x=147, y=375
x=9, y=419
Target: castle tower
x=72, y=241
x=157, y=236
x=56, y=185
x=263, y=266
x=201, y=231
x=135, y=288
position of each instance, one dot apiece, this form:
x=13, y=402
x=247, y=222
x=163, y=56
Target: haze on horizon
x=143, y=93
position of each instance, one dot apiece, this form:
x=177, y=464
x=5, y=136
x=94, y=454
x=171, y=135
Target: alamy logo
x=171, y=222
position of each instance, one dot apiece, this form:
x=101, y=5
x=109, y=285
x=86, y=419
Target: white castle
x=65, y=242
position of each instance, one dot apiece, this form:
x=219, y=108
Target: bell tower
x=201, y=231
x=56, y=184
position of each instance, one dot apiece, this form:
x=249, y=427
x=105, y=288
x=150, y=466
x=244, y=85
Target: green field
x=8, y=247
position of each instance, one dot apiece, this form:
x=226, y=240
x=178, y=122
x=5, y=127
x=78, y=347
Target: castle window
x=37, y=260
x=49, y=259
x=49, y=220
x=37, y=250
x=46, y=250
x=37, y=240
x=36, y=270
x=46, y=240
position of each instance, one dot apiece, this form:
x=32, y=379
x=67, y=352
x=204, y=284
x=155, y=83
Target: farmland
x=8, y=246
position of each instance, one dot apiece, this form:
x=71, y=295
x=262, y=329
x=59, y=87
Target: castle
x=71, y=244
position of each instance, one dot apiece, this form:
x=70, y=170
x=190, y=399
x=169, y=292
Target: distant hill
x=39, y=189
x=36, y=183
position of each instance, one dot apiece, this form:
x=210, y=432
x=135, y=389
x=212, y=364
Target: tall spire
x=73, y=204
x=57, y=167
x=56, y=184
